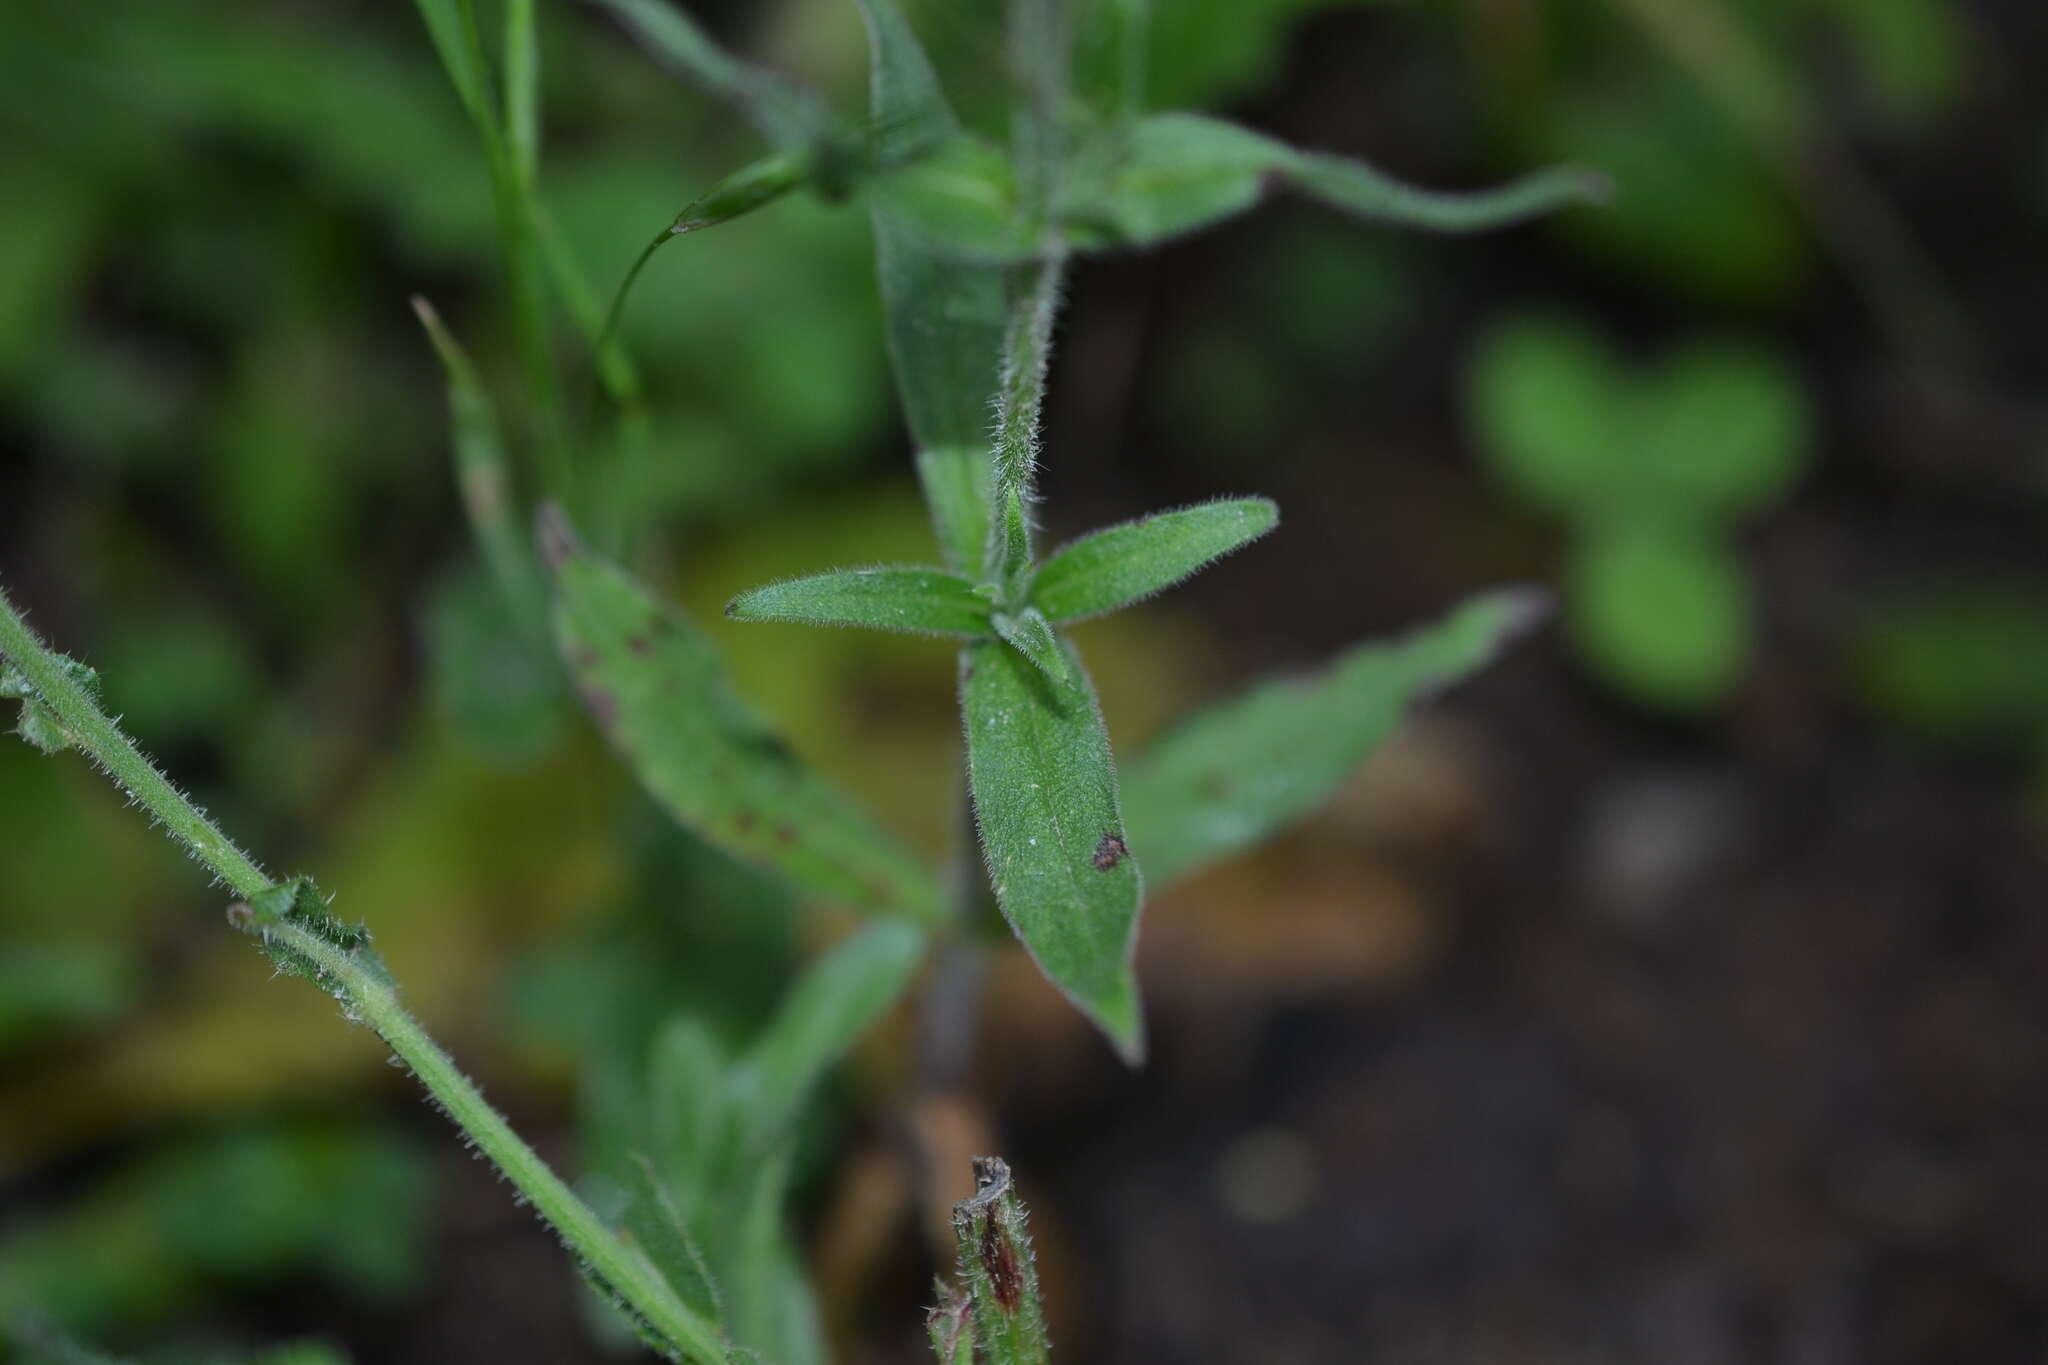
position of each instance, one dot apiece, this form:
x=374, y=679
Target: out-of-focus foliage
x=225, y=465
x=1652, y=470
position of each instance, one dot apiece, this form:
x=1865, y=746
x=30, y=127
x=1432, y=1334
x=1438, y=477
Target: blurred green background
x=1671, y=993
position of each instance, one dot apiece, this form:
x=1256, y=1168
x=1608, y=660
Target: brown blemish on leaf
x=1108, y=853
x=785, y=834
x=744, y=821
x=603, y=706
x=639, y=644
x=555, y=535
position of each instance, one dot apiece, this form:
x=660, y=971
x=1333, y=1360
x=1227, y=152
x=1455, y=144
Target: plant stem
x=636, y=1282
x=365, y=993
x=100, y=739
x=1027, y=352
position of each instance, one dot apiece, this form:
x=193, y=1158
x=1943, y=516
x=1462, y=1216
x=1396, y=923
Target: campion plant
x=689, y=1237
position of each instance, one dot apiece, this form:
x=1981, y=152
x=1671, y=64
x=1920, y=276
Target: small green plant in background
x=1653, y=470
x=687, y=1231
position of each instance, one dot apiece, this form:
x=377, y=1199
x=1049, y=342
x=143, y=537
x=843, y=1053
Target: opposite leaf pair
x=1098, y=573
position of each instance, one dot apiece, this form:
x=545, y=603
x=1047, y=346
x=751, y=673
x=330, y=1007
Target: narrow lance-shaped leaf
x=1045, y=797
x=1243, y=770
x=1168, y=174
x=833, y=1004
x=484, y=478
x=658, y=1231
x=1119, y=565
x=999, y=1269
x=917, y=601
x=1032, y=636
x=660, y=692
x=944, y=315
x=783, y=112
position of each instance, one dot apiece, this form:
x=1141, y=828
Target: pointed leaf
x=1243, y=770
x=483, y=477
x=1119, y=565
x=916, y=601
x=833, y=1004
x=1045, y=797
x=463, y=61
x=657, y=1229
x=956, y=486
x=1032, y=636
x=659, y=691
x=944, y=314
x=1168, y=174
x=783, y=112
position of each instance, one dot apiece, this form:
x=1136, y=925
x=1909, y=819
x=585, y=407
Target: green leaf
x=944, y=314
x=833, y=1004
x=299, y=903
x=688, y=1110
x=957, y=485
x=38, y=725
x=1239, y=772
x=1119, y=565
x=1548, y=403
x=1724, y=429
x=786, y=114
x=1000, y=1272
x=658, y=1231
x=464, y=62
x=660, y=693
x=1032, y=636
x=1168, y=174
x=1663, y=615
x=522, y=90
x=1045, y=797
x=916, y=601
x=483, y=477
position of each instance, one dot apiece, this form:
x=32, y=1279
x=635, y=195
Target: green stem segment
x=365, y=993
x=631, y=1278
x=95, y=733
x=1027, y=352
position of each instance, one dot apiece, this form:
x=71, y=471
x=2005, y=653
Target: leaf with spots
x=661, y=694
x=916, y=601
x=1240, y=772
x=1045, y=797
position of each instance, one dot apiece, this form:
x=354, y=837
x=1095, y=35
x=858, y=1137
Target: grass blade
x=1241, y=771
x=1045, y=797
x=915, y=601
x=1119, y=565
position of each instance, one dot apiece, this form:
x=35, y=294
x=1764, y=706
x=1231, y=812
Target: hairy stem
x=96, y=734
x=368, y=997
x=365, y=993
x=1027, y=352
